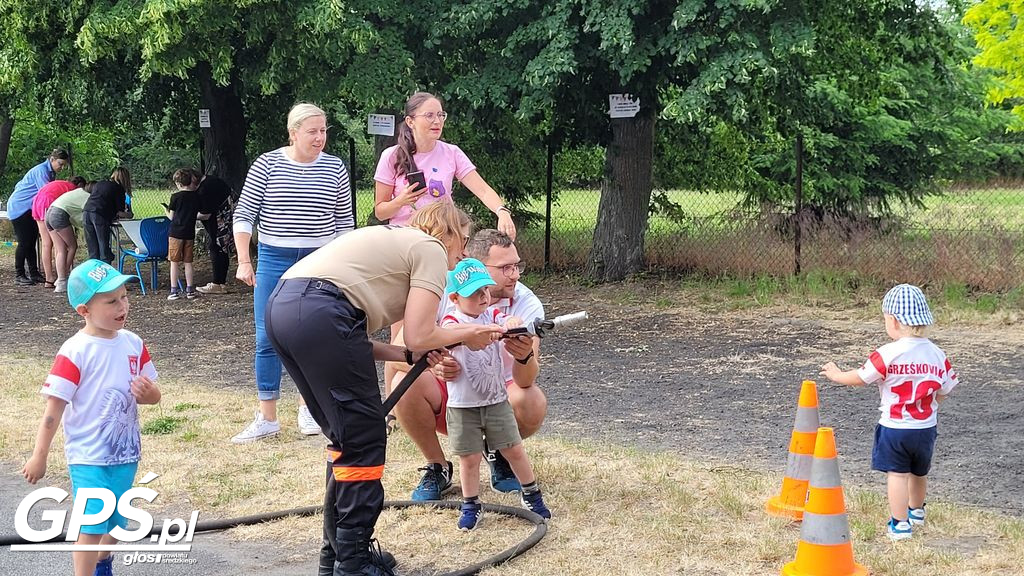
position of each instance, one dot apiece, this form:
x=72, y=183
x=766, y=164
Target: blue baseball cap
x=907, y=303
x=469, y=276
x=94, y=277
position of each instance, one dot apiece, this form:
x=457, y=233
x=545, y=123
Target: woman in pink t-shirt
x=46, y=195
x=420, y=149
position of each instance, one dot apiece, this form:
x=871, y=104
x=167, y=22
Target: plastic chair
x=153, y=232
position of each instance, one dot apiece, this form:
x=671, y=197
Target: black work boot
x=385, y=557
x=357, y=557
x=328, y=556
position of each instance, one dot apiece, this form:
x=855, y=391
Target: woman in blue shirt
x=19, y=210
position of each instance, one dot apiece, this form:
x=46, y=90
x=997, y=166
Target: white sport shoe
x=307, y=425
x=212, y=288
x=898, y=530
x=60, y=286
x=916, y=516
x=258, y=429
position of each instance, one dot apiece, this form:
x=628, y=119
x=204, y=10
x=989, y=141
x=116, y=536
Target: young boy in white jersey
x=103, y=372
x=913, y=377
x=478, y=401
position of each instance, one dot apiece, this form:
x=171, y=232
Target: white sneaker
x=916, y=516
x=60, y=286
x=258, y=429
x=898, y=530
x=212, y=288
x=307, y=425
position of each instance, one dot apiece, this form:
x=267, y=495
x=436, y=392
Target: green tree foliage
x=92, y=147
x=249, y=61
x=882, y=100
x=999, y=33
x=557, y=62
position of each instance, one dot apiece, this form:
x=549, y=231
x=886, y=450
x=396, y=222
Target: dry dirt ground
x=671, y=373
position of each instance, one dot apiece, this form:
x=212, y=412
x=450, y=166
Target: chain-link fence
x=969, y=236
x=966, y=236
x=973, y=237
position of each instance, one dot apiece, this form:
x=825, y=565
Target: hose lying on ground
x=539, y=530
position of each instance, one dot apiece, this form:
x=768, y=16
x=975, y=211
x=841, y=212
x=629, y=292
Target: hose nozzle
x=541, y=326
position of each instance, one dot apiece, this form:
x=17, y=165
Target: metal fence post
x=799, y=201
x=547, y=209
x=352, y=177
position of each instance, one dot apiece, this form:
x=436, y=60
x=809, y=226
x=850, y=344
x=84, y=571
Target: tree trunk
x=224, y=140
x=6, y=128
x=618, y=247
x=380, y=143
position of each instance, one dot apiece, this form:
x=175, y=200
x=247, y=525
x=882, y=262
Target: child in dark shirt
x=183, y=210
x=107, y=202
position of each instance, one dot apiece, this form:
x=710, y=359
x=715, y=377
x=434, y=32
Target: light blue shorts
x=117, y=478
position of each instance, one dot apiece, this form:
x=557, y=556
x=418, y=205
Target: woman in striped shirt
x=302, y=199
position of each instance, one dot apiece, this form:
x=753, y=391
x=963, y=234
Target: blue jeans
x=272, y=264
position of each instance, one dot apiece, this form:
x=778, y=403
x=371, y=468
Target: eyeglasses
x=509, y=269
x=432, y=116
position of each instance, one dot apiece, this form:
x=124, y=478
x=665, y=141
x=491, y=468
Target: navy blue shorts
x=898, y=450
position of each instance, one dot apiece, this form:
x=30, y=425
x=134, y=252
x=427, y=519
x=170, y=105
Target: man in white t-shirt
x=421, y=412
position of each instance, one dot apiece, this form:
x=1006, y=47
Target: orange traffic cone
x=790, y=501
x=825, y=548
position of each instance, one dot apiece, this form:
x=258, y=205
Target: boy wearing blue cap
x=913, y=377
x=477, y=399
x=99, y=376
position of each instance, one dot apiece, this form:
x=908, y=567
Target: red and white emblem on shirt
x=133, y=365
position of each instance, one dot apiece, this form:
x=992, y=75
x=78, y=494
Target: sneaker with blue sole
x=503, y=479
x=534, y=502
x=105, y=567
x=436, y=481
x=899, y=529
x=916, y=516
x=470, y=515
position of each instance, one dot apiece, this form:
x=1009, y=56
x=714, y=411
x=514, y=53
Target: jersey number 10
x=917, y=402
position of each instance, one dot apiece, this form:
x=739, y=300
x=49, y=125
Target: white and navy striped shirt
x=298, y=205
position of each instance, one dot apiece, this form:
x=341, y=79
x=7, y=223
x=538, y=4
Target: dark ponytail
x=404, y=162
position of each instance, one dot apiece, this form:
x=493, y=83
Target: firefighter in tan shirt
x=319, y=319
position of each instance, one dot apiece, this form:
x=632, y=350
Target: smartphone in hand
x=417, y=179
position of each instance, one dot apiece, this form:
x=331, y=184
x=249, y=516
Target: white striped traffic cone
x=825, y=548
x=789, y=503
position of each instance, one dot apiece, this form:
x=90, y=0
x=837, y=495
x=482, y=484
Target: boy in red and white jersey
x=913, y=377
x=98, y=379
